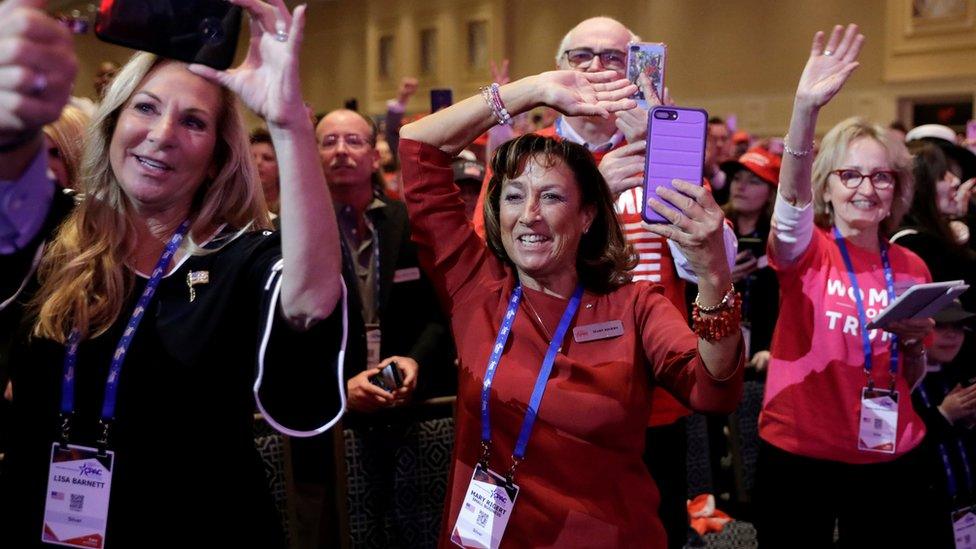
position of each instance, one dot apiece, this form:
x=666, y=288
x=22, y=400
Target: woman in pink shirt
x=837, y=424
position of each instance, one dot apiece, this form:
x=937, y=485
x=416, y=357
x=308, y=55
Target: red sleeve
x=672, y=350
x=450, y=252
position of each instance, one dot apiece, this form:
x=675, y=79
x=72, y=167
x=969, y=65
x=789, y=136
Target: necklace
x=537, y=317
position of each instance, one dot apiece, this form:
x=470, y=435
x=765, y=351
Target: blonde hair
x=833, y=149
x=84, y=278
x=68, y=135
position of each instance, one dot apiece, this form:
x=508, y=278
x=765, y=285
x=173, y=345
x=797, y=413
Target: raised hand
x=633, y=122
x=37, y=69
x=408, y=87
x=575, y=93
x=267, y=81
x=623, y=167
x=830, y=65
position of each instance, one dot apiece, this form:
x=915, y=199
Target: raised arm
x=570, y=92
x=268, y=83
x=829, y=66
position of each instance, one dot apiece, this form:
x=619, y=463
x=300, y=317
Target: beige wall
x=733, y=56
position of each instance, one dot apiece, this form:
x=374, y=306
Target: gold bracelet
x=724, y=304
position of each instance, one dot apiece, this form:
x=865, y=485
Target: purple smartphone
x=675, y=150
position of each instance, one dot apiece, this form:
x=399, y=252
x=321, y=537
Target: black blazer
x=411, y=321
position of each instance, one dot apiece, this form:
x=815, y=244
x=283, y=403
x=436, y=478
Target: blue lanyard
x=861, y=315
x=112, y=383
x=540, y=382
x=944, y=453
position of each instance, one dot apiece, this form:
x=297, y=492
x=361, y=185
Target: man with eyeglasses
x=393, y=314
x=400, y=322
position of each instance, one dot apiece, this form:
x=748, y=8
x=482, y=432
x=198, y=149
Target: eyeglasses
x=580, y=58
x=353, y=141
x=881, y=179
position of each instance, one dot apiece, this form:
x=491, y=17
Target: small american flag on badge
x=59, y=496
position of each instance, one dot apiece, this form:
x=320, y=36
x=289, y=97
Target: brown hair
x=604, y=257
x=831, y=155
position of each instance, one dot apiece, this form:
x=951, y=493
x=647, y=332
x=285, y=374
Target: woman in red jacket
x=551, y=288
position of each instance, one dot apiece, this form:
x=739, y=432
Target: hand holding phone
x=675, y=150
x=388, y=378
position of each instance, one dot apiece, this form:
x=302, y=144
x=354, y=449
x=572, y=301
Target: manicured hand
x=268, y=81
x=575, y=93
x=829, y=65
x=696, y=226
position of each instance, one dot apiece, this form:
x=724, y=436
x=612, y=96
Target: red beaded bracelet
x=720, y=325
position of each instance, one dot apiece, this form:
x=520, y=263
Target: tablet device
x=919, y=301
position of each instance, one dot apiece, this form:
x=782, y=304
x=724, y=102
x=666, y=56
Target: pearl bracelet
x=798, y=154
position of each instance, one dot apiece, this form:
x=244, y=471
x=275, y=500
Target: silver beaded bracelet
x=493, y=98
x=798, y=154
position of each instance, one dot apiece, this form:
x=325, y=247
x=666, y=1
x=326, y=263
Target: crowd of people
x=165, y=273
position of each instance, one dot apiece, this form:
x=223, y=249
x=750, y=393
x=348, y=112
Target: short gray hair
x=564, y=43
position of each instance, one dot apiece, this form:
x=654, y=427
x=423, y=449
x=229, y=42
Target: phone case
x=194, y=32
x=647, y=58
x=675, y=150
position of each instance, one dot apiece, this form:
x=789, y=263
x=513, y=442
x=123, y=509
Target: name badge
x=485, y=511
x=373, y=340
x=76, y=505
x=964, y=528
x=879, y=421
x=600, y=330
x=406, y=275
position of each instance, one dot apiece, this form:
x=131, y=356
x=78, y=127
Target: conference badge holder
x=879, y=420
x=964, y=527
x=76, y=503
x=485, y=511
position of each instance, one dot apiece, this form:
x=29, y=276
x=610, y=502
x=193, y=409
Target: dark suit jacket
x=411, y=321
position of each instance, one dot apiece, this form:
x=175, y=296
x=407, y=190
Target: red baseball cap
x=758, y=161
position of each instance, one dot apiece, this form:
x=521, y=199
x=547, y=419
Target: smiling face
x=862, y=208
x=162, y=148
x=542, y=218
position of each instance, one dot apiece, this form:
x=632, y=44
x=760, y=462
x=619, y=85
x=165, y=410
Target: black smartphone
x=194, y=31
x=755, y=245
x=388, y=379
x=440, y=99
